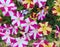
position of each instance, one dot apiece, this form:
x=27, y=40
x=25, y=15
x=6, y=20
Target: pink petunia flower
x=41, y=15
x=27, y=24
x=34, y=33
x=6, y=37
x=57, y=31
x=20, y=42
x=8, y=28
x=40, y=3
x=7, y=6
x=17, y=18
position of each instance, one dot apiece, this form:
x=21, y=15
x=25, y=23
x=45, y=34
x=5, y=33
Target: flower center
x=18, y=18
x=44, y=27
x=47, y=45
x=58, y=9
x=5, y=5
x=20, y=41
x=28, y=1
x=28, y=23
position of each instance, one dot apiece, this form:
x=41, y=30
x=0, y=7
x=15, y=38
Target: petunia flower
x=33, y=16
x=57, y=31
x=6, y=28
x=17, y=18
x=45, y=28
x=20, y=42
x=28, y=3
x=9, y=28
x=56, y=10
x=34, y=33
x=6, y=37
x=42, y=13
x=40, y=3
x=43, y=43
x=7, y=6
x=14, y=30
x=27, y=24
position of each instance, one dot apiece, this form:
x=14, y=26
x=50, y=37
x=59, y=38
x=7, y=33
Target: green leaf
x=51, y=37
x=7, y=20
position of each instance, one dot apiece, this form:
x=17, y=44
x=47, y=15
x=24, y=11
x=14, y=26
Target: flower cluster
x=27, y=24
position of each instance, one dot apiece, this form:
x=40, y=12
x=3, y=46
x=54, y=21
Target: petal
x=7, y=2
x=6, y=9
x=2, y=1
x=11, y=4
x=4, y=12
x=27, y=28
x=27, y=20
x=25, y=42
x=4, y=37
x=34, y=35
x=14, y=45
x=1, y=5
x=22, y=25
x=14, y=22
x=34, y=1
x=11, y=13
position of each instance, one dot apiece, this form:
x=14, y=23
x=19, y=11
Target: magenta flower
x=41, y=15
x=17, y=18
x=40, y=3
x=8, y=28
x=6, y=37
x=34, y=33
x=57, y=32
x=7, y=6
x=27, y=24
x=20, y=42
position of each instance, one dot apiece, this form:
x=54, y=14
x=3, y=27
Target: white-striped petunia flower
x=57, y=31
x=34, y=33
x=9, y=28
x=6, y=37
x=17, y=18
x=27, y=24
x=41, y=15
x=40, y=3
x=7, y=6
x=20, y=42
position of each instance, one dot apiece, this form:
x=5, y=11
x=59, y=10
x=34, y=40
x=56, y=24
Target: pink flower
x=40, y=3
x=41, y=15
x=17, y=18
x=14, y=30
x=34, y=33
x=6, y=37
x=8, y=28
x=7, y=6
x=57, y=32
x=20, y=42
x=27, y=24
